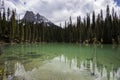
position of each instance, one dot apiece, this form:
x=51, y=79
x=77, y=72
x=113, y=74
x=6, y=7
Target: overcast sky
x=59, y=11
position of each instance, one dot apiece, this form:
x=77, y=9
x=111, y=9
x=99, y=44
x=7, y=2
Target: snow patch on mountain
x=36, y=18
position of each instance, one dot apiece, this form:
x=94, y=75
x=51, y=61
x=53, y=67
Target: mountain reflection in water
x=54, y=61
x=61, y=66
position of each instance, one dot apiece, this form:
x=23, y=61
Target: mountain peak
x=36, y=18
x=29, y=16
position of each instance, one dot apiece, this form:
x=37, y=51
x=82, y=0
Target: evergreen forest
x=94, y=28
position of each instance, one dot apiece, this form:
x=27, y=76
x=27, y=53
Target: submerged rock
x=33, y=55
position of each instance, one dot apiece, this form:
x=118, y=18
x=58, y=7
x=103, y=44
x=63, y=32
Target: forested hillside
x=91, y=29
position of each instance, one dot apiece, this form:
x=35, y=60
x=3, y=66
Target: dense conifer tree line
x=93, y=29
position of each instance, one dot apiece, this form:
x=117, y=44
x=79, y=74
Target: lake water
x=53, y=61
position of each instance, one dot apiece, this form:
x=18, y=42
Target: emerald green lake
x=54, y=61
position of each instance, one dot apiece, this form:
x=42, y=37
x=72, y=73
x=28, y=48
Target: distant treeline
x=90, y=30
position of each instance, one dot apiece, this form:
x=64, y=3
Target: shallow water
x=53, y=61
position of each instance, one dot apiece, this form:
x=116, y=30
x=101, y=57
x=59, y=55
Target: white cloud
x=60, y=10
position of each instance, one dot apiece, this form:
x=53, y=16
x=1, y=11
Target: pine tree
x=13, y=27
x=0, y=26
x=102, y=26
x=88, y=27
x=93, y=25
x=8, y=14
x=107, y=32
x=3, y=26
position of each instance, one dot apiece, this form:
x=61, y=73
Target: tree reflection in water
x=63, y=66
